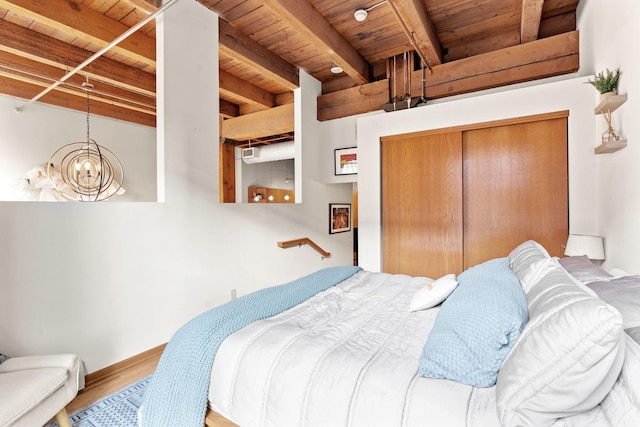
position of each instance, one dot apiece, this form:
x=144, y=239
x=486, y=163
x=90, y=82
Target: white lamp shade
x=581, y=244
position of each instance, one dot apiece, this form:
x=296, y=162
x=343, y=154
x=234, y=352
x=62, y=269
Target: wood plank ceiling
x=459, y=46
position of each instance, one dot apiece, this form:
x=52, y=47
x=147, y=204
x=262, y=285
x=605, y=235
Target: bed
x=521, y=340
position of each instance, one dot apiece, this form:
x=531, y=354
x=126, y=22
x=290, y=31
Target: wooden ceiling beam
x=241, y=91
x=37, y=72
x=59, y=98
x=487, y=64
x=150, y=4
x=73, y=18
x=356, y=100
x=228, y=109
x=260, y=124
x=305, y=19
x=557, y=24
x=530, y=21
x=538, y=59
x=245, y=50
x=416, y=23
x=47, y=50
x=518, y=74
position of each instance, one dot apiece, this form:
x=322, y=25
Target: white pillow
x=583, y=269
x=567, y=358
x=624, y=294
x=433, y=293
x=530, y=260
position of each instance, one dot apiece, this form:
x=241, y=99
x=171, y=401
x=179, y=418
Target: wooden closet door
x=422, y=204
x=515, y=187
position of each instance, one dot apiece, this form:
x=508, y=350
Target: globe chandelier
x=90, y=172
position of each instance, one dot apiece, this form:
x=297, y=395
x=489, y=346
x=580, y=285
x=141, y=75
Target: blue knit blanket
x=178, y=391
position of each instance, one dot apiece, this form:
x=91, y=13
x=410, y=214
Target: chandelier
x=89, y=171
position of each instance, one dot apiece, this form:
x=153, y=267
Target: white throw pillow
x=583, y=269
x=567, y=358
x=433, y=293
x=529, y=261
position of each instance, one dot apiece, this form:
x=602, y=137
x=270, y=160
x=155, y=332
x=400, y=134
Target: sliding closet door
x=422, y=204
x=515, y=182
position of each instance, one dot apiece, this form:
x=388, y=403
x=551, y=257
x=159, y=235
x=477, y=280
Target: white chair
x=34, y=389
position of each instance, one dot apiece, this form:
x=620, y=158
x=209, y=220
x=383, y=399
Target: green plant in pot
x=606, y=81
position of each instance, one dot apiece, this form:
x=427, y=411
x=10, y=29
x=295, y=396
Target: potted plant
x=606, y=82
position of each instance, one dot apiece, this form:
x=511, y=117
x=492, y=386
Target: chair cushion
x=21, y=391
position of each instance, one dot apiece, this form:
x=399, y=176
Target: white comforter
x=347, y=357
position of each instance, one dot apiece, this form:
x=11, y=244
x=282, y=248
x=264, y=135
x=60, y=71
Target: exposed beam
x=285, y=98
x=245, y=50
x=305, y=19
x=70, y=17
x=524, y=73
x=38, y=47
x=355, y=100
x=227, y=171
x=260, y=124
x=241, y=91
x=27, y=70
x=228, y=109
x=505, y=66
x=557, y=24
x=59, y=98
x=116, y=103
x=484, y=44
x=416, y=23
x=148, y=5
x=542, y=58
x=530, y=22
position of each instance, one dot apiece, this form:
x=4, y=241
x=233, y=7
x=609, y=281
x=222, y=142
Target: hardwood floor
x=112, y=378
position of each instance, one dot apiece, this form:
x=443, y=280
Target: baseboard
x=112, y=370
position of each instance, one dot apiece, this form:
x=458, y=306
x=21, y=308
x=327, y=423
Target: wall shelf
x=610, y=147
x=610, y=104
x=606, y=107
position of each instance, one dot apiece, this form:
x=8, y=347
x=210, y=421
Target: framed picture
x=339, y=217
x=346, y=162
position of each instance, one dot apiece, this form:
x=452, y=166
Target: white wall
x=338, y=133
x=608, y=39
x=110, y=280
x=29, y=139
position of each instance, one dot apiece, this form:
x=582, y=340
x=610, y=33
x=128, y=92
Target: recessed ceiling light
x=336, y=69
x=360, y=15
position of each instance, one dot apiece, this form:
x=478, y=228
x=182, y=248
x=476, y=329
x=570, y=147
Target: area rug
x=119, y=409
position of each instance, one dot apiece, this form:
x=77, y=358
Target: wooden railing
x=305, y=241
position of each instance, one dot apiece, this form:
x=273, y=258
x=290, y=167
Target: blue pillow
x=476, y=326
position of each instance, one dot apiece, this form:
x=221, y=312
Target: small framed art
x=346, y=161
x=339, y=217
